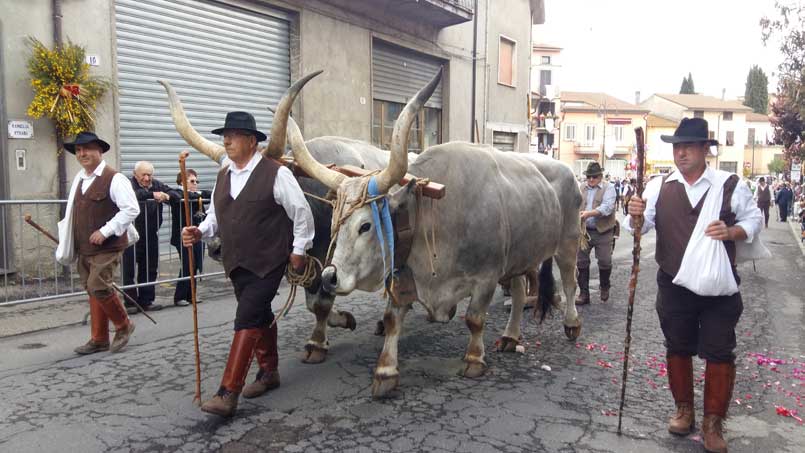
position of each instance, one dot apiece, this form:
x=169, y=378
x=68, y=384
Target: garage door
x=397, y=74
x=504, y=141
x=217, y=57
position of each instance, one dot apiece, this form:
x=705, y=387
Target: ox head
x=358, y=257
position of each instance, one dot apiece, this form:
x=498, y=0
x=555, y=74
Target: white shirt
x=121, y=194
x=747, y=214
x=287, y=194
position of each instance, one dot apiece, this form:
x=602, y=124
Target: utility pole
x=604, y=137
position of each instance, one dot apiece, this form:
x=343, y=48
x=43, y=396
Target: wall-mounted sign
x=20, y=129
x=93, y=60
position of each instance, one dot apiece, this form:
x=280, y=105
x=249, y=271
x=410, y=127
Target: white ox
x=332, y=150
x=503, y=213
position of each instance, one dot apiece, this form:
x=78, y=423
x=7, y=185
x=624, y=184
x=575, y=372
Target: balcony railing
x=439, y=13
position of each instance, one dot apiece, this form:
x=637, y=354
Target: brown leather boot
x=225, y=402
x=116, y=313
x=680, y=379
x=583, y=279
x=99, y=328
x=268, y=377
x=719, y=379
x=604, y=275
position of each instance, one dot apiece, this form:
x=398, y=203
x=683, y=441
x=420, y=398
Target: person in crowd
x=144, y=255
x=763, y=194
x=196, y=197
x=618, y=197
x=265, y=224
x=692, y=323
x=93, y=234
x=598, y=218
x=784, y=199
x=627, y=190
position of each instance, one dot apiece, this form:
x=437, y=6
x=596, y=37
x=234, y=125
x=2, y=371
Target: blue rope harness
x=383, y=226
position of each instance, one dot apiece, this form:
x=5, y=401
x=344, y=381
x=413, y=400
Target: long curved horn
x=210, y=149
x=309, y=164
x=398, y=161
x=276, y=144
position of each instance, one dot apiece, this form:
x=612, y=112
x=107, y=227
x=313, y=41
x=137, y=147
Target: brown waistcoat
x=605, y=223
x=91, y=211
x=255, y=231
x=676, y=219
x=763, y=197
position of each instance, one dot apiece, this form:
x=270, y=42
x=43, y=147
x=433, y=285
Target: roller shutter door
x=219, y=58
x=504, y=141
x=397, y=74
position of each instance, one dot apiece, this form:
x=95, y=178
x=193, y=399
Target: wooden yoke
x=431, y=190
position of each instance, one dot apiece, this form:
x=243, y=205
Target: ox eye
x=364, y=228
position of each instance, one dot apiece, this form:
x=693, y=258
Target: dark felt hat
x=691, y=130
x=84, y=138
x=593, y=169
x=243, y=121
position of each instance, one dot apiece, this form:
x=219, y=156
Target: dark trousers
x=783, y=212
x=254, y=296
x=183, y=286
x=765, y=211
x=693, y=324
x=144, y=257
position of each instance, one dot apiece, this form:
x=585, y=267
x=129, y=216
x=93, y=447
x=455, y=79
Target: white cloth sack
x=65, y=252
x=705, y=267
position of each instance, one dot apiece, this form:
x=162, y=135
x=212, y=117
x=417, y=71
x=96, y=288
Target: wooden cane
x=29, y=221
x=191, y=267
x=637, y=222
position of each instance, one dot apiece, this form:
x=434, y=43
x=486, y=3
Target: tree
x=687, y=85
x=788, y=111
x=776, y=166
x=756, y=95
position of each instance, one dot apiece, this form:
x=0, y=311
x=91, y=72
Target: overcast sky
x=622, y=46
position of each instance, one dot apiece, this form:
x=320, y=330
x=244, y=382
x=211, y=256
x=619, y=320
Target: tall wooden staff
x=192, y=268
x=637, y=222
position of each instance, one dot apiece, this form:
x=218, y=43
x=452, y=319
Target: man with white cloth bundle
x=96, y=229
x=692, y=208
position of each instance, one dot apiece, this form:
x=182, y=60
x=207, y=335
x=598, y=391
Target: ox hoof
x=351, y=324
x=314, y=354
x=573, y=332
x=507, y=344
x=383, y=385
x=380, y=329
x=474, y=369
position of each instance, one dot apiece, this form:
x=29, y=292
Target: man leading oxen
x=333, y=150
x=503, y=214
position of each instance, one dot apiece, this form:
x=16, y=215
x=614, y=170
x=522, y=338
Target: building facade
x=545, y=75
x=760, y=148
x=224, y=55
x=597, y=127
x=725, y=118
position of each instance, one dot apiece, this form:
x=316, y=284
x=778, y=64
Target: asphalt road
x=141, y=399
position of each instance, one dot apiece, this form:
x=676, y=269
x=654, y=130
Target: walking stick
x=114, y=286
x=192, y=268
x=638, y=227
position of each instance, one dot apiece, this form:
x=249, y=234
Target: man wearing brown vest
x=264, y=221
x=691, y=323
x=764, y=199
x=101, y=208
x=598, y=218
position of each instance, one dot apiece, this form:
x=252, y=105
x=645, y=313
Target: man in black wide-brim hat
x=265, y=223
x=693, y=323
x=94, y=233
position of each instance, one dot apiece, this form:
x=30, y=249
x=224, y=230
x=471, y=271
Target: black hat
x=691, y=130
x=82, y=139
x=243, y=121
x=594, y=169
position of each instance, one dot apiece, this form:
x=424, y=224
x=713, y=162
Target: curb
x=797, y=236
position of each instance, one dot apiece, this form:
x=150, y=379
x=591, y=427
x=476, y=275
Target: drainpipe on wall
x=474, y=63
x=62, y=166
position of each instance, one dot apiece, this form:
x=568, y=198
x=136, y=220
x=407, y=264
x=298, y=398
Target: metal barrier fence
x=30, y=273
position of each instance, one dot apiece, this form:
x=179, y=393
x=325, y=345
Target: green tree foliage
x=687, y=85
x=776, y=166
x=788, y=110
x=756, y=95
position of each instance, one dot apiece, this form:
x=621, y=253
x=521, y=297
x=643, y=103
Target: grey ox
x=331, y=150
x=503, y=213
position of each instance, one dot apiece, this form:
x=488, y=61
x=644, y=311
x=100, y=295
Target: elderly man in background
x=144, y=256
